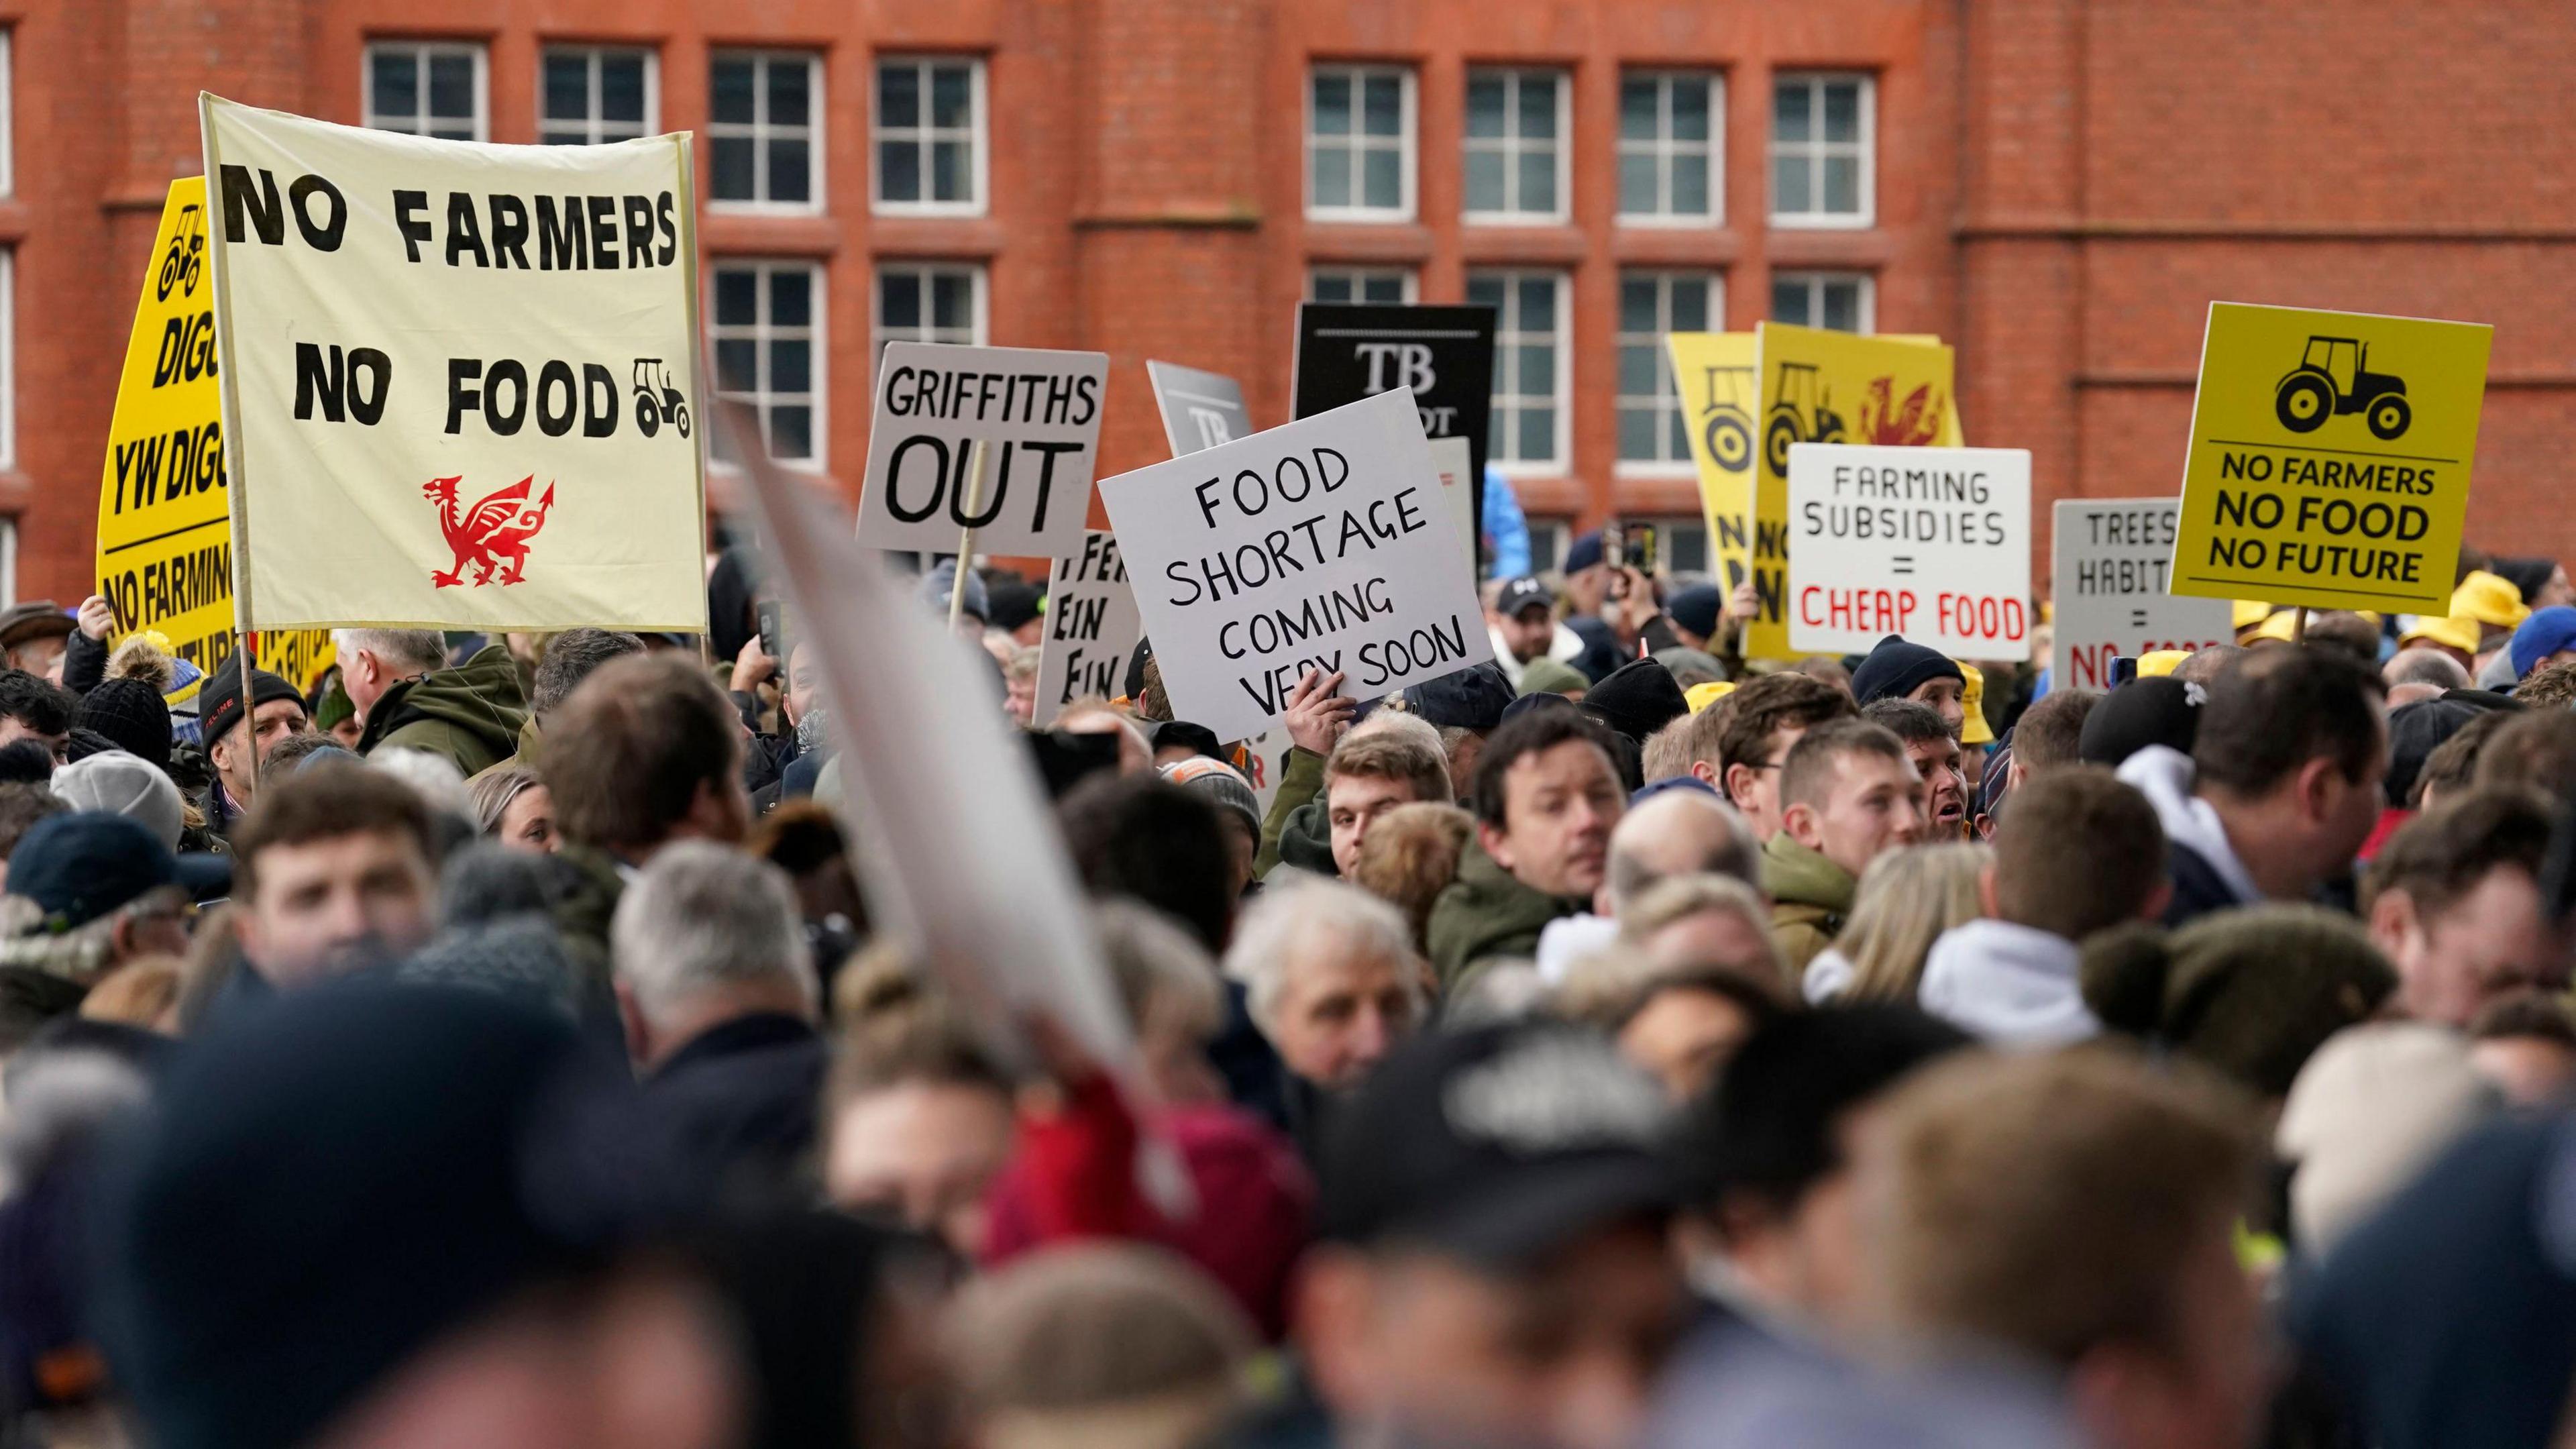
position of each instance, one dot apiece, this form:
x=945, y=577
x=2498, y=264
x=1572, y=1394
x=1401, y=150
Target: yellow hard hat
x=2250, y=612
x=2489, y=599
x=1972, y=697
x=2453, y=633
x=1701, y=696
x=2157, y=663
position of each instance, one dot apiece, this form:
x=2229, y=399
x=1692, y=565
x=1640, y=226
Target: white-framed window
x=930, y=136
x=928, y=302
x=589, y=94
x=1533, y=382
x=1516, y=152
x=1681, y=545
x=1372, y=285
x=1360, y=143
x=1653, y=435
x=769, y=344
x=1843, y=301
x=1672, y=153
x=429, y=88
x=1824, y=151
x=8, y=127
x=764, y=137
x=9, y=359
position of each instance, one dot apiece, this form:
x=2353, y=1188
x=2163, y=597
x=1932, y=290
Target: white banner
x=1091, y=628
x=1930, y=543
x=1322, y=544
x=2109, y=568
x=1038, y=415
x=459, y=381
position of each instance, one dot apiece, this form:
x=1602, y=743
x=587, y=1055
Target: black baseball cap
x=1472, y=698
x=1499, y=1145
x=1522, y=593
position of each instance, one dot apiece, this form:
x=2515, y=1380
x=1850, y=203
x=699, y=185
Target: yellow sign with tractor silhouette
x=1713, y=373
x=1818, y=386
x=2329, y=458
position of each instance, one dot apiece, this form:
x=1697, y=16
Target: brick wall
x=2062, y=187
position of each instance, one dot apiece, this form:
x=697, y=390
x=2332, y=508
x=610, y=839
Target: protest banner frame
x=240, y=466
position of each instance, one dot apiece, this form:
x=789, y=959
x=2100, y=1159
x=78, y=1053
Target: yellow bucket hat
x=2455, y=633
x=2489, y=599
x=1972, y=697
x=2250, y=612
x=1701, y=696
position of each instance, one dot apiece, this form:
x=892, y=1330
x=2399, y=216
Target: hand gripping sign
x=1323, y=544
x=2329, y=458
x=1035, y=415
x=456, y=377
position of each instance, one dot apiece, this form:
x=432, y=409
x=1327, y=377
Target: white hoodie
x=2012, y=985
x=2164, y=774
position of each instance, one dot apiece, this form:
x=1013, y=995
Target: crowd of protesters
x=1618, y=1044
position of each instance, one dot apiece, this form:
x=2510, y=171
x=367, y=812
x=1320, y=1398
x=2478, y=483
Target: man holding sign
x=1321, y=545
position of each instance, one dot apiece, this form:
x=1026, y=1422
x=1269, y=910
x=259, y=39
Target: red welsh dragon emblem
x=493, y=535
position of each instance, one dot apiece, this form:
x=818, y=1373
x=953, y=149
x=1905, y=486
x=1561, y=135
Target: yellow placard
x=2329, y=458
x=1820, y=386
x=1713, y=372
x=164, y=540
x=1954, y=434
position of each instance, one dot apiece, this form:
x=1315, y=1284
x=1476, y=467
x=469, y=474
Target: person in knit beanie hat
x=1899, y=670
x=1224, y=787
x=2251, y=992
x=130, y=713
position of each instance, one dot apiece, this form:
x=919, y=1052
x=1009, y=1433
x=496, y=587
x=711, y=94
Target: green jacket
x=1810, y=899
x=526, y=755
x=1487, y=912
x=470, y=714
x=1300, y=780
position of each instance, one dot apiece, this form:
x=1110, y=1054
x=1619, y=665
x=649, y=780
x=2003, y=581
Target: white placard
x=1091, y=628
x=2109, y=568
x=1930, y=543
x=1320, y=544
x=1037, y=412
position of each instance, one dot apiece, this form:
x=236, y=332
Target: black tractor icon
x=1802, y=415
x=2334, y=378
x=1727, y=427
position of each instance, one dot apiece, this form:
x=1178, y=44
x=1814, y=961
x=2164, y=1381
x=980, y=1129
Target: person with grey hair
x=2419, y=665
x=1331, y=979
x=563, y=663
x=471, y=714
x=1674, y=832
x=715, y=986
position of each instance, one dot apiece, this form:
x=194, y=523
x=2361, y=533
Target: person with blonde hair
x=1907, y=899
x=1409, y=857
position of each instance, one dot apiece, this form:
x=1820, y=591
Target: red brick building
x=2058, y=187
